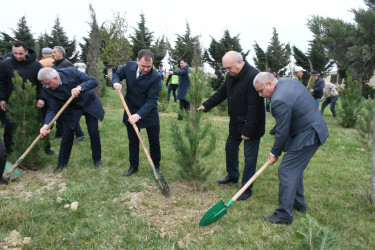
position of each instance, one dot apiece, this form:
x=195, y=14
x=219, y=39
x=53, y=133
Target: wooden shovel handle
x=139, y=135
x=18, y=162
x=249, y=182
x=308, y=84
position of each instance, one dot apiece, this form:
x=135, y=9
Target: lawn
x=118, y=212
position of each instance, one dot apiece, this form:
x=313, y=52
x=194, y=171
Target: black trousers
x=154, y=142
x=3, y=158
x=68, y=137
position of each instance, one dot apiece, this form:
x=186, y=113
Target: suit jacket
x=87, y=101
x=297, y=117
x=184, y=82
x=245, y=107
x=142, y=94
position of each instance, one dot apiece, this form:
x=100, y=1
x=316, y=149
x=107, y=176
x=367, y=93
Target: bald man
x=247, y=117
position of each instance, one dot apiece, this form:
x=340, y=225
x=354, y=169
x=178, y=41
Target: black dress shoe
x=245, y=195
x=80, y=138
x=300, y=209
x=227, y=179
x=59, y=168
x=276, y=219
x=49, y=151
x=131, y=171
x=98, y=164
x=3, y=181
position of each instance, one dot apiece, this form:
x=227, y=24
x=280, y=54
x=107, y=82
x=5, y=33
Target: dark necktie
x=139, y=76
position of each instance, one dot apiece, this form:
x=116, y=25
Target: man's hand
x=170, y=72
x=44, y=130
x=117, y=86
x=311, y=90
x=40, y=104
x=201, y=108
x=2, y=105
x=272, y=159
x=244, y=137
x=75, y=92
x=134, y=118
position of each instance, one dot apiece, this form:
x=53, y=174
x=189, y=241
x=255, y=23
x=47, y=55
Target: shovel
x=159, y=176
x=220, y=209
x=8, y=175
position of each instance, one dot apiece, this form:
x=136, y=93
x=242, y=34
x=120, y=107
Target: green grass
x=117, y=212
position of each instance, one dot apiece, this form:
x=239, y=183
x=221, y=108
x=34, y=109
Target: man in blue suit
x=59, y=86
x=143, y=85
x=300, y=131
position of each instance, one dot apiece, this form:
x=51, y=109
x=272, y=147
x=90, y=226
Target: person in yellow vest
x=47, y=60
x=173, y=79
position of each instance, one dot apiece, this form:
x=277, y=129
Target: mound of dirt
x=183, y=209
x=14, y=241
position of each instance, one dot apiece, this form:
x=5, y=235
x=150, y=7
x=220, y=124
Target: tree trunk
x=373, y=163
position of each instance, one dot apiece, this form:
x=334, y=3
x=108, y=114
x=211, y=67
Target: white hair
x=263, y=78
x=47, y=73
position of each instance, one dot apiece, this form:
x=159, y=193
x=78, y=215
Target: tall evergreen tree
x=116, y=49
x=350, y=45
x=276, y=58
x=278, y=54
x=142, y=38
x=5, y=43
x=260, y=58
x=84, y=48
x=160, y=50
x=185, y=47
x=303, y=61
x=59, y=38
x=217, y=49
x=23, y=32
x=319, y=58
x=94, y=51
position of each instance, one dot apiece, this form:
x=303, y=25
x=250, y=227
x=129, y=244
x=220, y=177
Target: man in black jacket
x=247, y=117
x=24, y=62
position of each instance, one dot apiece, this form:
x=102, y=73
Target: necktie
x=139, y=76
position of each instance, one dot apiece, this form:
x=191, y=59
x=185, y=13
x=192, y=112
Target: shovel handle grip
x=308, y=84
x=249, y=182
x=18, y=162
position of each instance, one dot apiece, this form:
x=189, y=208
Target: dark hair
x=184, y=60
x=19, y=44
x=145, y=53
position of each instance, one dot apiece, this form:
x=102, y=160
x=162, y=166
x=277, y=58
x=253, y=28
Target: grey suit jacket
x=297, y=117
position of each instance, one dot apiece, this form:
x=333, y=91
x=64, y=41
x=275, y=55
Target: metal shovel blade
x=163, y=184
x=213, y=214
x=16, y=172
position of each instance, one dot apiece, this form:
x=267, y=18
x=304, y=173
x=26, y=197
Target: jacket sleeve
x=181, y=72
x=119, y=75
x=216, y=99
x=282, y=113
x=3, y=82
x=255, y=111
x=87, y=82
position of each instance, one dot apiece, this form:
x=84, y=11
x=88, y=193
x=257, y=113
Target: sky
x=253, y=21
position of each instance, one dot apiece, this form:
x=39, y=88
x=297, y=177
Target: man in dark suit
x=300, y=131
x=247, y=117
x=59, y=86
x=143, y=85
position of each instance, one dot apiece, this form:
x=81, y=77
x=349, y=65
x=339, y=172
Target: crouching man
x=59, y=86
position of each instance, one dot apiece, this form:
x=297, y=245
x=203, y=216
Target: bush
x=350, y=102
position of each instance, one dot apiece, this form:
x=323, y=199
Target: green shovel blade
x=16, y=172
x=213, y=214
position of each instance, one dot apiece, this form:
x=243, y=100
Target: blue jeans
x=232, y=148
x=317, y=101
x=330, y=100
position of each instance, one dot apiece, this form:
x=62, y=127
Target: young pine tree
x=22, y=111
x=192, y=140
x=350, y=101
x=364, y=122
